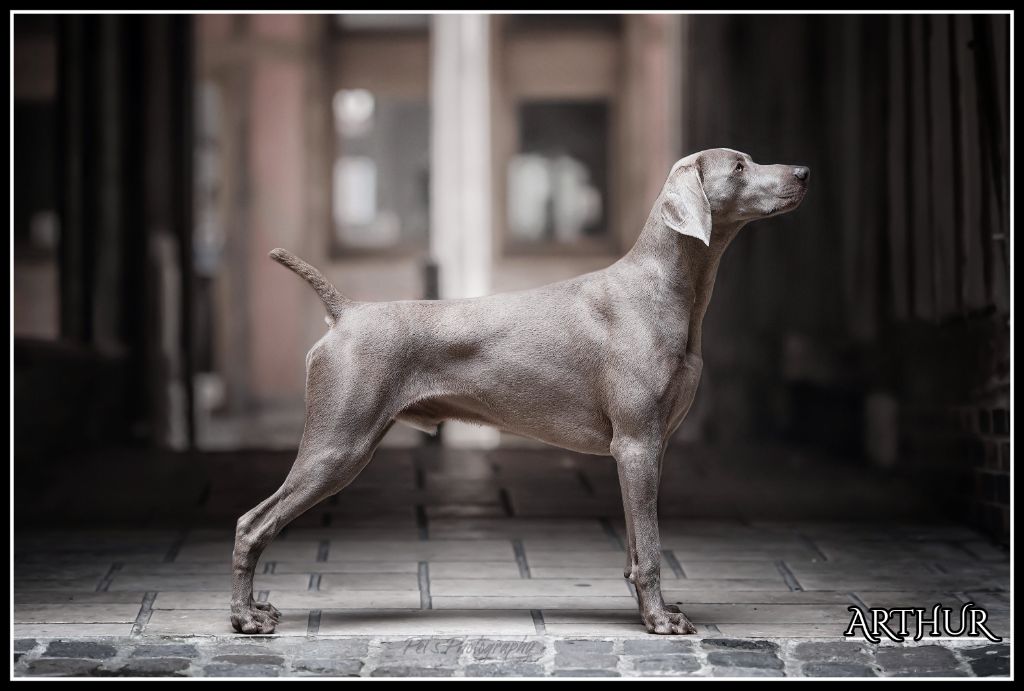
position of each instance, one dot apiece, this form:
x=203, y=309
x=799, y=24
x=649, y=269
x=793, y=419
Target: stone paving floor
x=505, y=563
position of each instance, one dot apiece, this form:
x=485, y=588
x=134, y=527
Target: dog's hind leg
x=342, y=431
x=316, y=475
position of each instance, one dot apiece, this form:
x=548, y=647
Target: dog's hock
x=685, y=208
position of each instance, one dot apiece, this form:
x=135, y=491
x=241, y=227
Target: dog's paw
x=274, y=612
x=667, y=622
x=260, y=617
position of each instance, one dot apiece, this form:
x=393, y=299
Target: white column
x=460, y=193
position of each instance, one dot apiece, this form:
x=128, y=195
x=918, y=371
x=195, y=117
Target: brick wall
x=987, y=427
x=955, y=418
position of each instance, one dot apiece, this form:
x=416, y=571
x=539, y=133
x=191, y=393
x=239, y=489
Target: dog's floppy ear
x=685, y=207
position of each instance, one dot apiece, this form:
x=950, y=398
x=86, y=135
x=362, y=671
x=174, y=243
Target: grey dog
x=606, y=363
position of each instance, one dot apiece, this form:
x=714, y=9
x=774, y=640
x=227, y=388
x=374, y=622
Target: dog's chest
x=671, y=367
x=654, y=359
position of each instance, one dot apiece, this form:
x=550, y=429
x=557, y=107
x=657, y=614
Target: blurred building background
x=158, y=159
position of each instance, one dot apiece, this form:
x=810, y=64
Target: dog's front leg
x=629, y=573
x=639, y=474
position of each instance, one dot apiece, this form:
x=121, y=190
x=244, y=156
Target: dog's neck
x=680, y=270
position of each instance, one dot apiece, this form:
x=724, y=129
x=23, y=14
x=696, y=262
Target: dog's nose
x=802, y=172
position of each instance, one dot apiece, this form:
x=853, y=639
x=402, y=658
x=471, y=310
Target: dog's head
x=723, y=186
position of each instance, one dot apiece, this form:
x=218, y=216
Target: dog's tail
x=333, y=300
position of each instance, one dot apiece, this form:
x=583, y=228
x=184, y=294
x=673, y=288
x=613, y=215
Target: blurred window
x=382, y=22
x=380, y=177
x=36, y=224
x=557, y=22
x=559, y=85
x=557, y=182
x=381, y=170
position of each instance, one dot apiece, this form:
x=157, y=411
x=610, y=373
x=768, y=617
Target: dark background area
x=870, y=328
x=887, y=295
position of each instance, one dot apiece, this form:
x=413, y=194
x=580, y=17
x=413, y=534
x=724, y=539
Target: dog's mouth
x=787, y=202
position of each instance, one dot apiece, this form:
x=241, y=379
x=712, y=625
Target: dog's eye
x=739, y=168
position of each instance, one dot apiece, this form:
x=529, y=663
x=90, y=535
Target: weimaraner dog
x=606, y=363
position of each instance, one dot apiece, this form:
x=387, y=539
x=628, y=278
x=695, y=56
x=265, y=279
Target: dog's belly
x=527, y=363
x=585, y=430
